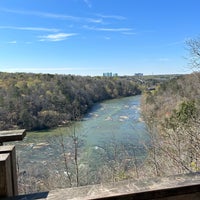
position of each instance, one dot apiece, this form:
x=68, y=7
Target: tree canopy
x=39, y=101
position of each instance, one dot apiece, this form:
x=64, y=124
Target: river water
x=109, y=128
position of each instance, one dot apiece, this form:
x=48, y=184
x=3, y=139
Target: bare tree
x=65, y=159
x=193, y=46
x=75, y=141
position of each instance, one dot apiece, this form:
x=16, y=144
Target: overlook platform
x=182, y=187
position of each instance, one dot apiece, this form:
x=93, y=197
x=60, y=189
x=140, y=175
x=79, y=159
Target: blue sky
x=89, y=37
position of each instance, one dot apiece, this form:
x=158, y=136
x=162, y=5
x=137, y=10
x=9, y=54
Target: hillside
x=40, y=101
x=172, y=113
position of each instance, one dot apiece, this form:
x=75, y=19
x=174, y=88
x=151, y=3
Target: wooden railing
x=8, y=172
x=183, y=187
x=12, y=135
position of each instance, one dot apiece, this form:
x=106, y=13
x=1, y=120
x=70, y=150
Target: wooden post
x=11, y=150
x=8, y=172
x=5, y=176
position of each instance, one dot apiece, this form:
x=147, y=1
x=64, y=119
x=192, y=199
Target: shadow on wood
x=41, y=195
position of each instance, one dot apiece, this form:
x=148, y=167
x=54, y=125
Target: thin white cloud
x=117, y=17
x=52, y=15
x=129, y=33
x=30, y=28
x=56, y=37
x=64, y=17
x=41, y=14
x=108, y=29
x=93, y=20
x=12, y=42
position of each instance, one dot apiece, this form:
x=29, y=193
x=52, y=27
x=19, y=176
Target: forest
x=40, y=101
x=172, y=114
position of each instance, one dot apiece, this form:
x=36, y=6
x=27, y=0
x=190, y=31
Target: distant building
x=138, y=74
x=108, y=74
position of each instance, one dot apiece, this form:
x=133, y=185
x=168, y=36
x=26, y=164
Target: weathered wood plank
x=127, y=192
x=12, y=135
x=11, y=150
x=5, y=176
x=182, y=187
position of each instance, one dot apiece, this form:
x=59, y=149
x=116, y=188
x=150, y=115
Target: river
x=111, y=134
